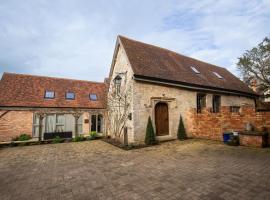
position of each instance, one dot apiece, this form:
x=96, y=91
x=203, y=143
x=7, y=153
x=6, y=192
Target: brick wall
x=212, y=125
x=15, y=123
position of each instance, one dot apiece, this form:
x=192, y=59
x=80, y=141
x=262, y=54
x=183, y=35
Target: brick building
x=144, y=81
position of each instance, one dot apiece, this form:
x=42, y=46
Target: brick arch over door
x=162, y=119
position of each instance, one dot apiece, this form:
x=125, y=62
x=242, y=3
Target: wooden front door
x=162, y=119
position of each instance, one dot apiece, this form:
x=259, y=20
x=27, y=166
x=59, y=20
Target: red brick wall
x=212, y=125
x=15, y=123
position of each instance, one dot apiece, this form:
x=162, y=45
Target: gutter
x=192, y=86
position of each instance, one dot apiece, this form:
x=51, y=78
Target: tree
x=118, y=110
x=254, y=65
x=150, y=137
x=181, y=133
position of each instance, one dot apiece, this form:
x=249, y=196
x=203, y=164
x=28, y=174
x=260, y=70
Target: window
x=195, y=70
x=235, y=109
x=117, y=83
x=60, y=123
x=93, y=97
x=80, y=125
x=216, y=103
x=201, y=102
x=97, y=123
x=49, y=94
x=218, y=75
x=70, y=95
x=35, y=125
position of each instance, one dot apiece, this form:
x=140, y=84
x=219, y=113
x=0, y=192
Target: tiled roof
x=28, y=91
x=158, y=63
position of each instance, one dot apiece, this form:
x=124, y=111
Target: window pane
x=216, y=103
x=35, y=131
x=93, y=123
x=60, y=119
x=59, y=128
x=70, y=95
x=79, y=128
x=100, y=124
x=201, y=102
x=50, y=123
x=93, y=97
x=36, y=119
x=49, y=94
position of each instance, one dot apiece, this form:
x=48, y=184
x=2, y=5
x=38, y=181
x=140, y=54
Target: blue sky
x=76, y=38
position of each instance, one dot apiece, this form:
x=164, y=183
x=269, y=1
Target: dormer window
x=218, y=75
x=93, y=97
x=49, y=94
x=117, y=83
x=195, y=70
x=70, y=95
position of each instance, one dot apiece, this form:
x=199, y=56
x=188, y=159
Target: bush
x=22, y=137
x=56, y=139
x=92, y=135
x=78, y=138
x=150, y=138
x=181, y=133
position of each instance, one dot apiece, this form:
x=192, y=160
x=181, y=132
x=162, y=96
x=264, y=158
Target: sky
x=76, y=38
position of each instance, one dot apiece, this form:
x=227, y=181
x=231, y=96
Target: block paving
x=191, y=169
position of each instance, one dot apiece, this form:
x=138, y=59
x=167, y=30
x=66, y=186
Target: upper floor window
x=49, y=94
x=70, y=95
x=201, y=102
x=93, y=97
x=216, y=103
x=117, y=83
x=218, y=75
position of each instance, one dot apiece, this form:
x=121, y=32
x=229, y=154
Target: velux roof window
x=195, y=70
x=218, y=75
x=93, y=97
x=70, y=95
x=49, y=94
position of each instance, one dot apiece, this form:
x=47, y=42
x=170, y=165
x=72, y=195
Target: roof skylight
x=218, y=75
x=195, y=70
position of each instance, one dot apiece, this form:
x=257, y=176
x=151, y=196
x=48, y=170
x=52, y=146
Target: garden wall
x=211, y=125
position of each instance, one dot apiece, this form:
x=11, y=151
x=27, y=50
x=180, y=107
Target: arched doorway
x=161, y=119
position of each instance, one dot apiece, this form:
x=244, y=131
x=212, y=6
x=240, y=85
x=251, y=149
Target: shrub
x=56, y=139
x=78, y=138
x=150, y=137
x=181, y=133
x=92, y=135
x=22, y=137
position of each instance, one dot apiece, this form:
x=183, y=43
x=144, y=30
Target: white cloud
x=76, y=38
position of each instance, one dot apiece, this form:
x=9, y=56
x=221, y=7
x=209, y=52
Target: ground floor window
x=216, y=103
x=97, y=123
x=201, y=102
x=57, y=123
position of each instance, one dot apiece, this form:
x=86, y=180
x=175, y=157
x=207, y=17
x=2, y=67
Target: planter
x=253, y=138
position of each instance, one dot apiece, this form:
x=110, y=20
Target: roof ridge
x=52, y=77
x=172, y=51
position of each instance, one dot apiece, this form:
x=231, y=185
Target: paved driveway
x=193, y=169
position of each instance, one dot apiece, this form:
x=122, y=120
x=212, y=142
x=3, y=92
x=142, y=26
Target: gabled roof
x=18, y=90
x=150, y=62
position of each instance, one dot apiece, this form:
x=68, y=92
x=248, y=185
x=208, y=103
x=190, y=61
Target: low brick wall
x=14, y=123
x=251, y=140
x=211, y=125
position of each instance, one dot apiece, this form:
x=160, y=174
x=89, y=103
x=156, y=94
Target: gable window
x=70, y=95
x=195, y=70
x=201, y=102
x=216, y=103
x=235, y=109
x=49, y=94
x=218, y=75
x=117, y=83
x=93, y=97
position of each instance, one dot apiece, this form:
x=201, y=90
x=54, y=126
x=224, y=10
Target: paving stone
x=191, y=169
